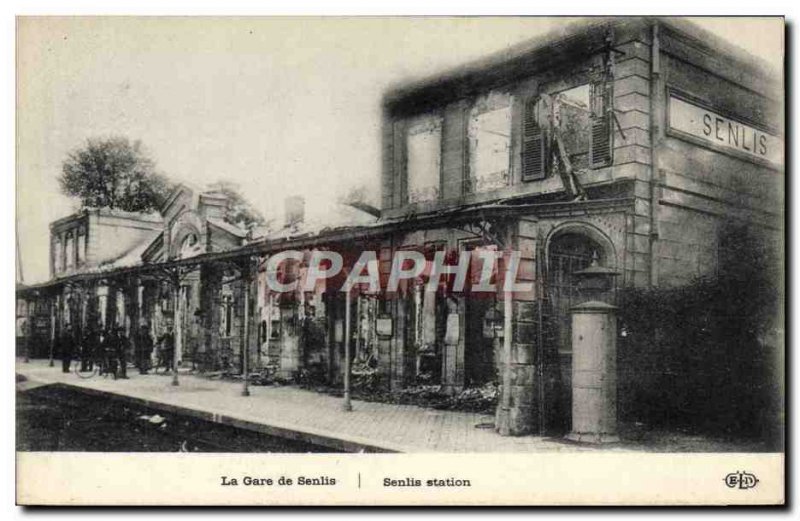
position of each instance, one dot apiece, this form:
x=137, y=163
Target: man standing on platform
x=89, y=348
x=144, y=349
x=108, y=347
x=67, y=348
x=121, y=345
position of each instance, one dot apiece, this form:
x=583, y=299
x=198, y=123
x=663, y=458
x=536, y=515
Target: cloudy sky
x=280, y=106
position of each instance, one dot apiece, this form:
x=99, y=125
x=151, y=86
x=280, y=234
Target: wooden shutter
x=601, y=145
x=534, y=157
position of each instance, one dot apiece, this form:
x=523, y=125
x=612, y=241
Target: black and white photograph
x=372, y=241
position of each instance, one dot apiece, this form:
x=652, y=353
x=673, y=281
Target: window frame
x=69, y=251
x=408, y=124
x=485, y=97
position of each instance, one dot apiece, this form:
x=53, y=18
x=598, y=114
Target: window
x=69, y=252
x=489, y=134
x=572, y=117
x=58, y=260
x=81, y=253
x=424, y=158
x=534, y=144
x=572, y=125
x=190, y=246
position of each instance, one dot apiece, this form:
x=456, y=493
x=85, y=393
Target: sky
x=280, y=106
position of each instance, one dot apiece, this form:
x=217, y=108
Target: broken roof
x=323, y=219
x=552, y=51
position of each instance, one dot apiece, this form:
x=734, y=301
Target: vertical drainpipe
x=655, y=131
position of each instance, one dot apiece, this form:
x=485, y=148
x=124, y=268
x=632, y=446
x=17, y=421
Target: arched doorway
x=571, y=249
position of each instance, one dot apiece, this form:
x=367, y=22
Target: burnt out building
x=629, y=144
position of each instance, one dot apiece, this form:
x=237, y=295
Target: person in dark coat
x=122, y=353
x=89, y=348
x=67, y=348
x=109, y=349
x=144, y=349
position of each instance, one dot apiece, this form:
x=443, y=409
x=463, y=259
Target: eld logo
x=741, y=480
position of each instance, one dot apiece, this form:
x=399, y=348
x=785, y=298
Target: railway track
x=57, y=417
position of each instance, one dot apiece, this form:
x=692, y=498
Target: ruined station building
x=627, y=147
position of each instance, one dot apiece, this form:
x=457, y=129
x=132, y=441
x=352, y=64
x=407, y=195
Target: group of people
x=109, y=349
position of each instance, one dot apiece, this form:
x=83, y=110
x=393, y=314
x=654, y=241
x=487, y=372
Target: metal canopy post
x=53, y=317
x=246, y=279
x=347, y=406
x=176, y=288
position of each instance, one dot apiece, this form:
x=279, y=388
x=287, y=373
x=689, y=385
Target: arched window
x=190, y=246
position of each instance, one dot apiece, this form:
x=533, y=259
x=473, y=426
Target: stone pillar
x=210, y=285
x=518, y=410
x=594, y=373
x=102, y=305
x=132, y=309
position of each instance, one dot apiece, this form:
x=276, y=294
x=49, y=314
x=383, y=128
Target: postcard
x=400, y=261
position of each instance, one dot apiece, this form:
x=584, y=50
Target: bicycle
x=96, y=364
x=87, y=368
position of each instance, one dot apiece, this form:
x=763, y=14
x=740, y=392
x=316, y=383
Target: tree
x=240, y=211
x=114, y=173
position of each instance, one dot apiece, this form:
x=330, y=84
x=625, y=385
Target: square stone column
x=519, y=409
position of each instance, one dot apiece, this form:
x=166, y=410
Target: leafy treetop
x=114, y=173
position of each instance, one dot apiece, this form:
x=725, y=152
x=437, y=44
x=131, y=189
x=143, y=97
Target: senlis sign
x=718, y=131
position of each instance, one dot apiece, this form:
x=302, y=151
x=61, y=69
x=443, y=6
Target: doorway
x=567, y=254
x=479, y=342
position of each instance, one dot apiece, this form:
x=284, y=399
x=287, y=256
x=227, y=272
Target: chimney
x=213, y=204
x=294, y=207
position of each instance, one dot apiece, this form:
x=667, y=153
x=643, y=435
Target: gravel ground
x=56, y=418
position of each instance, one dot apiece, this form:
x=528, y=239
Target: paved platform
x=317, y=418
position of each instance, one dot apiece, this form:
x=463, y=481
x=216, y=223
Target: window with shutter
x=533, y=143
x=572, y=120
x=601, y=146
